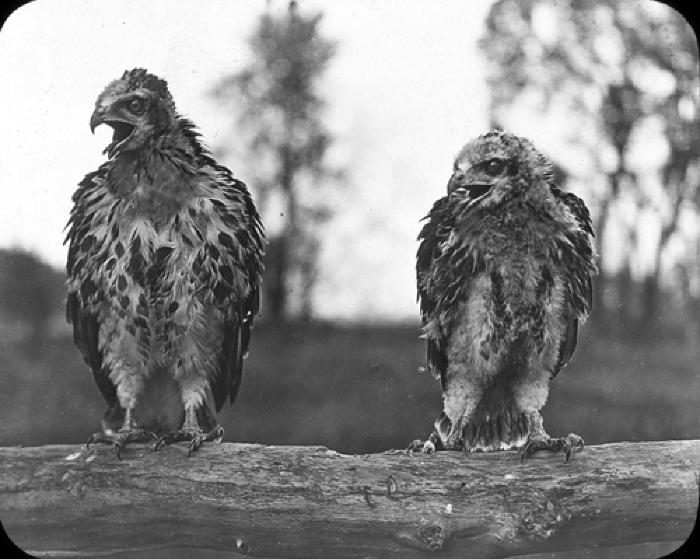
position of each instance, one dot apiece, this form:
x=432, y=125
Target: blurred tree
x=31, y=292
x=624, y=66
x=280, y=117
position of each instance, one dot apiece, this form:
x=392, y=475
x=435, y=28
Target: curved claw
x=571, y=441
x=196, y=442
x=525, y=452
x=120, y=439
x=419, y=446
x=416, y=446
x=195, y=436
x=97, y=438
x=424, y=447
x=215, y=435
x=169, y=438
x=566, y=444
x=160, y=443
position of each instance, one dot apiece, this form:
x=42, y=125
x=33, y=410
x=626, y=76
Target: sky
x=405, y=92
x=406, y=89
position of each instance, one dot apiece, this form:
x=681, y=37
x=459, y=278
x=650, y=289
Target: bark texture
x=305, y=501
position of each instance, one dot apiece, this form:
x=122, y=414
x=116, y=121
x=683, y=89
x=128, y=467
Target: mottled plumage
x=164, y=264
x=504, y=272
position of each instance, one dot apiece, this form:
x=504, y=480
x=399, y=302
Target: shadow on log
x=298, y=501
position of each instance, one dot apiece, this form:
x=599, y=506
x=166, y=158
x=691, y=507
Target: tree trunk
x=650, y=303
x=603, y=313
x=274, y=280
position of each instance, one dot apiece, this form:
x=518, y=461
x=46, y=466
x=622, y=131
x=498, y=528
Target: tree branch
x=294, y=501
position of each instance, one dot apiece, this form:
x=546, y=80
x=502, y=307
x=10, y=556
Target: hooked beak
x=459, y=182
x=122, y=128
x=456, y=181
x=97, y=118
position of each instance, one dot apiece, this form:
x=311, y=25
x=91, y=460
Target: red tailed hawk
x=164, y=265
x=504, y=269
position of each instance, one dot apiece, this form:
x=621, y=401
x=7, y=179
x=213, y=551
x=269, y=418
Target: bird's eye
x=136, y=105
x=494, y=167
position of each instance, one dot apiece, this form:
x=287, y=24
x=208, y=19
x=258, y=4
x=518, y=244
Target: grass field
x=357, y=389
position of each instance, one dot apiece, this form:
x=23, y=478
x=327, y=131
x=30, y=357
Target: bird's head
x=138, y=106
x=497, y=165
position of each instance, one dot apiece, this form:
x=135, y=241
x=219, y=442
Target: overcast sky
x=405, y=91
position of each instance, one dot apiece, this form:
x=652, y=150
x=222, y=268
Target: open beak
x=459, y=183
x=122, y=129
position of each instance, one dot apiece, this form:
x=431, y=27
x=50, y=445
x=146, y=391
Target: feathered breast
x=523, y=245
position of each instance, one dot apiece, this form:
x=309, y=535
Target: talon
x=421, y=447
x=416, y=446
x=529, y=449
x=217, y=434
x=194, y=445
x=576, y=440
x=195, y=436
x=429, y=446
x=539, y=441
x=92, y=440
x=120, y=439
x=571, y=441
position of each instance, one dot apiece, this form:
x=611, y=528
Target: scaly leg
x=128, y=433
x=190, y=431
x=538, y=439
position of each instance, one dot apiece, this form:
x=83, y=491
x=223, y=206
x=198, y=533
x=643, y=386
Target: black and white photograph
x=349, y=279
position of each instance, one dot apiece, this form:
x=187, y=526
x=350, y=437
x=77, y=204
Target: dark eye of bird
x=494, y=167
x=136, y=105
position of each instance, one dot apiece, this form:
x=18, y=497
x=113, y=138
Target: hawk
x=164, y=265
x=504, y=271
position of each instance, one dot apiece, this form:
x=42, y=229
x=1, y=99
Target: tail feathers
x=505, y=430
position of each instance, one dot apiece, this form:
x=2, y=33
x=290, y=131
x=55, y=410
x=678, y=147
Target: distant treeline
x=32, y=298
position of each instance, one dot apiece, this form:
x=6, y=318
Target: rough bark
x=293, y=501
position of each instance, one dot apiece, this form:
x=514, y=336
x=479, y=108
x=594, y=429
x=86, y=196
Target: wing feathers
x=567, y=345
x=85, y=337
x=240, y=270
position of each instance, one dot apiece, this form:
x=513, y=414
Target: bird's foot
x=420, y=446
x=121, y=438
x=542, y=441
x=196, y=437
x=425, y=447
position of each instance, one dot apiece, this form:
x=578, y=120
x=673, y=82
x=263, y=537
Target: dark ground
x=357, y=389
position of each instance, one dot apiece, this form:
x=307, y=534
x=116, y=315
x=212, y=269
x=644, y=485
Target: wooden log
x=299, y=501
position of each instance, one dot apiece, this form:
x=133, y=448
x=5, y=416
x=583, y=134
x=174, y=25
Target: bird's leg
x=128, y=376
x=538, y=439
x=128, y=433
x=191, y=431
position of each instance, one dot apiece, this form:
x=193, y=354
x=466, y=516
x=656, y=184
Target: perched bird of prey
x=504, y=271
x=164, y=265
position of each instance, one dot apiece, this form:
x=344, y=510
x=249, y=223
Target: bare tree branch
x=276, y=501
